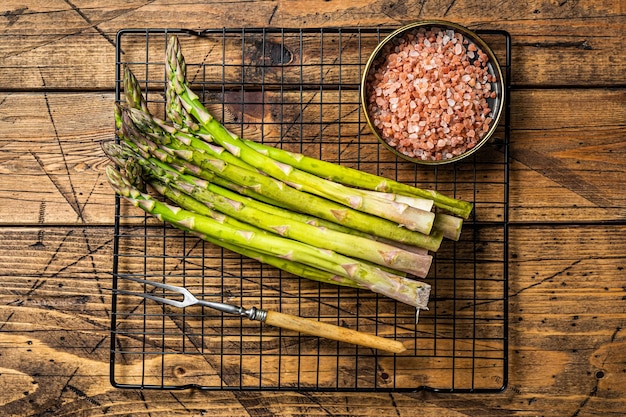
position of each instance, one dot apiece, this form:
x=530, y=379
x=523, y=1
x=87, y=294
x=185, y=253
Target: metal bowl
x=495, y=104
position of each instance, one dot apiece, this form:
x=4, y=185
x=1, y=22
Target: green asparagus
x=247, y=211
x=201, y=164
x=402, y=289
x=356, y=178
x=292, y=267
x=121, y=158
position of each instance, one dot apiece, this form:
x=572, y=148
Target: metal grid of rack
x=299, y=89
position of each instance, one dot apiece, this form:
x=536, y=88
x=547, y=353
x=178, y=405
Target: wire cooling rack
x=299, y=89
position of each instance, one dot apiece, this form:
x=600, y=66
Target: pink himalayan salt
x=439, y=80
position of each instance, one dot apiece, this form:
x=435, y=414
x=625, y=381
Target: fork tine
x=188, y=298
x=163, y=300
x=156, y=284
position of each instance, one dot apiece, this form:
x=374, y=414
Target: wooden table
x=567, y=207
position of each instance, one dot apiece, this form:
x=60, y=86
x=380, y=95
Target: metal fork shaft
x=252, y=313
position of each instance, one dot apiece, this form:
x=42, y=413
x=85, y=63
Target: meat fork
x=272, y=318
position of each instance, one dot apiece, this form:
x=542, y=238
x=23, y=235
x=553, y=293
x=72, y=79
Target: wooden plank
x=80, y=40
x=55, y=307
x=51, y=162
x=574, y=148
x=566, y=241
x=64, y=170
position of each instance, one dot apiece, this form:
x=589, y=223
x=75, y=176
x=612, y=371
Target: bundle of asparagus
x=314, y=219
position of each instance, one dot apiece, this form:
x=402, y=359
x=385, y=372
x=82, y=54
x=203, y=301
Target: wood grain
x=58, y=311
x=566, y=236
x=84, y=45
x=565, y=154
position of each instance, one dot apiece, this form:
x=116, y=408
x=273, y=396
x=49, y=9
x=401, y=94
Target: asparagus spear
x=405, y=290
x=126, y=158
x=273, y=219
x=357, y=178
x=449, y=225
x=189, y=203
x=292, y=267
x=191, y=160
x=246, y=211
x=241, y=194
x=401, y=213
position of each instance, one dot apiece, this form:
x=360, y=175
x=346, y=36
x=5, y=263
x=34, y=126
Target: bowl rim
x=474, y=37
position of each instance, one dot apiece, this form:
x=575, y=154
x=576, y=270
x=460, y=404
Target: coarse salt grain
x=428, y=99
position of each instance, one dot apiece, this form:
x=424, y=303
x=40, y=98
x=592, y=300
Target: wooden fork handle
x=331, y=331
